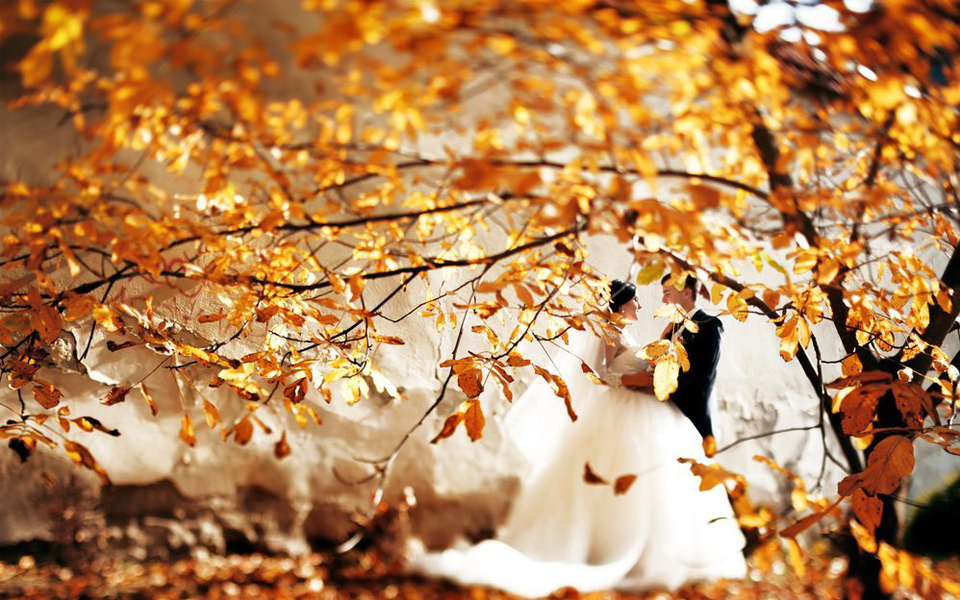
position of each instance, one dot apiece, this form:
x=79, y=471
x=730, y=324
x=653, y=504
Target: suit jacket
x=692, y=395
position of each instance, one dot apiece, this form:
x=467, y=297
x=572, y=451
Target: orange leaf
x=281, y=449
x=867, y=377
x=296, y=391
x=47, y=323
x=243, y=431
x=623, y=483
x=469, y=382
x=449, y=426
x=515, y=360
x=45, y=394
x=860, y=406
x=148, y=398
x=891, y=460
x=805, y=523
x=592, y=478
x=474, y=421
x=211, y=414
x=867, y=509
x=186, y=431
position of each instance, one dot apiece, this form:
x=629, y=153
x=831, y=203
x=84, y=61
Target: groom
x=703, y=350
x=692, y=395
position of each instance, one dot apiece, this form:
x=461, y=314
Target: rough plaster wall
x=219, y=495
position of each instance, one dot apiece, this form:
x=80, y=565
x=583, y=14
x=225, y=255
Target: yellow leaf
x=650, y=273
x=665, y=376
x=186, y=431
x=80, y=455
x=211, y=414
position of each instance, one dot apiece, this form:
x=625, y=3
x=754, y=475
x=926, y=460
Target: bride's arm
x=606, y=373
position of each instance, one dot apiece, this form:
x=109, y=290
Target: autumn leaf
x=710, y=475
x=449, y=426
x=805, y=523
x=515, y=360
x=148, y=398
x=469, y=382
x=623, y=484
x=243, y=431
x=296, y=391
x=868, y=509
x=889, y=462
x=116, y=395
x=665, y=377
x=46, y=394
x=89, y=424
x=23, y=447
x=592, y=478
x=859, y=407
x=281, y=449
x=21, y=373
x=81, y=456
x=473, y=420
x=186, y=431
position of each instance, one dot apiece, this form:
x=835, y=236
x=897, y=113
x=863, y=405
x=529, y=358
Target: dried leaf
x=45, y=394
x=116, y=395
x=211, y=414
x=449, y=426
x=186, y=431
x=592, y=478
x=281, y=449
x=868, y=509
x=148, y=398
x=474, y=420
x=23, y=446
x=89, y=424
x=243, y=431
x=889, y=462
x=81, y=456
x=469, y=382
x=623, y=484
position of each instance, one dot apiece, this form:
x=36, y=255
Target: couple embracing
x=663, y=531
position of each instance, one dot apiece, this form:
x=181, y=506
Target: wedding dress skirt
x=562, y=531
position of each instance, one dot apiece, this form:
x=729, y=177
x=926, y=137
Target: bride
x=661, y=533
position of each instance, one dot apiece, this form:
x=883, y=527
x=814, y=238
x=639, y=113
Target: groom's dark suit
x=694, y=386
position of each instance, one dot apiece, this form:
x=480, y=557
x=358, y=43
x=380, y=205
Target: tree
x=304, y=153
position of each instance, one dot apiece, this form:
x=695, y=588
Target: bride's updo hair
x=621, y=292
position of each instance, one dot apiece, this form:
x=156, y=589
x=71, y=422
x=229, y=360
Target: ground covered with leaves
x=360, y=576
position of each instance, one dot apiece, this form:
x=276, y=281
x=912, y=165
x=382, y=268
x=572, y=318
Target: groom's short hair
x=689, y=283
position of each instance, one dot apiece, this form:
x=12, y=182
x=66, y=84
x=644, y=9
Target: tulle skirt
x=561, y=531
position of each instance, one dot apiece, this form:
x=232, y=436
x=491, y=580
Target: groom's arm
x=642, y=381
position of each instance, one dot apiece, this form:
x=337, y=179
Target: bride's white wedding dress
x=561, y=531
